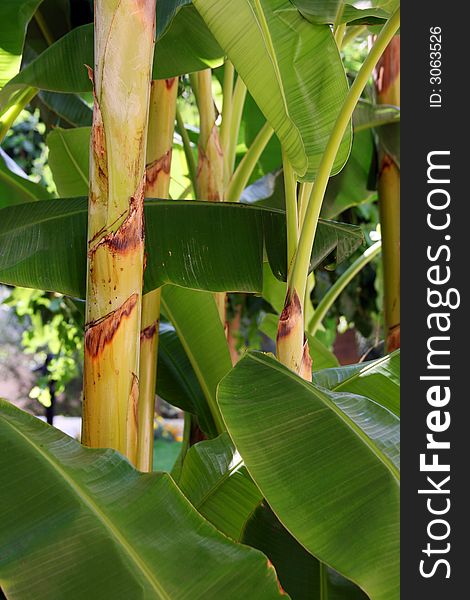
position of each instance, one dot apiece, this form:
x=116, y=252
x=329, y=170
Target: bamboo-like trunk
x=210, y=170
x=388, y=92
x=159, y=149
x=124, y=41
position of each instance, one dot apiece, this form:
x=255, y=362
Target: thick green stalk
x=388, y=92
x=229, y=73
x=124, y=41
x=340, y=284
x=210, y=172
x=159, y=150
x=188, y=151
x=299, y=272
x=18, y=103
x=238, y=102
x=244, y=170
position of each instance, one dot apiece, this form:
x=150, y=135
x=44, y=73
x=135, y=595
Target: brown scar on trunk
x=161, y=165
x=290, y=313
x=100, y=333
x=130, y=234
x=393, y=338
x=149, y=332
x=386, y=164
x=169, y=83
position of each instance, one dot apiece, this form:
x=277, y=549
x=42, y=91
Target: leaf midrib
x=88, y=501
x=364, y=438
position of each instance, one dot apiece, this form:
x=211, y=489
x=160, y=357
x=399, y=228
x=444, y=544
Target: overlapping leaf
x=200, y=245
x=186, y=46
x=326, y=462
x=301, y=96
x=103, y=530
x=352, y=12
x=15, y=187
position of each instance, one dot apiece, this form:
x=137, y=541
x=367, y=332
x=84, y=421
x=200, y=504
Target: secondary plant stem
x=159, y=151
x=188, y=151
x=239, y=96
x=245, y=168
x=299, y=272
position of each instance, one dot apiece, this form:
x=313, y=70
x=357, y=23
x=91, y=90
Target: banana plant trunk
x=162, y=115
x=124, y=42
x=210, y=171
x=387, y=79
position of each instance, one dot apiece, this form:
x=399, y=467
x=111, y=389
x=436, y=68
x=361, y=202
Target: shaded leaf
x=68, y=160
x=217, y=484
x=91, y=526
x=195, y=317
x=15, y=187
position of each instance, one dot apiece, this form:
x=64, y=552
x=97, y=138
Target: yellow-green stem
x=238, y=102
x=188, y=151
x=162, y=109
x=244, y=170
x=124, y=41
x=335, y=290
x=18, y=103
x=290, y=187
x=299, y=272
x=229, y=73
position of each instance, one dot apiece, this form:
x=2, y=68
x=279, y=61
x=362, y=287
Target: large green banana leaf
x=326, y=462
x=79, y=523
x=301, y=575
x=177, y=383
x=15, y=187
x=59, y=109
x=218, y=485
x=14, y=18
x=68, y=160
x=291, y=68
x=186, y=46
x=199, y=245
x=352, y=12
x=378, y=380
x=196, y=320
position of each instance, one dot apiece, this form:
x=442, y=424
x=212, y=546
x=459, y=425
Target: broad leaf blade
x=68, y=160
x=196, y=320
x=355, y=12
x=333, y=478
x=91, y=526
x=199, y=245
x=15, y=187
x=378, y=380
x=186, y=46
x=14, y=18
x=217, y=484
x=298, y=571
x=300, y=97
